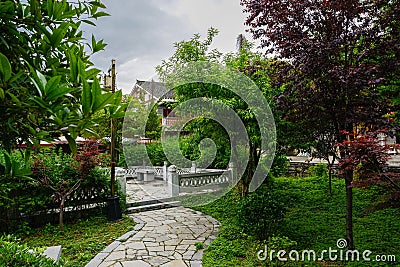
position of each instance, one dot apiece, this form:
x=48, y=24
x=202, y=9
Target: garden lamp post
x=114, y=209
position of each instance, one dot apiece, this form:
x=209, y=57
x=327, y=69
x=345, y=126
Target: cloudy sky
x=141, y=33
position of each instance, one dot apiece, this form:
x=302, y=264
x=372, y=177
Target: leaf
x=101, y=101
x=50, y=8
x=59, y=92
x=97, y=4
x=39, y=81
x=82, y=69
x=97, y=46
x=15, y=99
x=52, y=84
x=96, y=91
x=5, y=67
x=73, y=63
x=15, y=77
x=71, y=143
x=86, y=98
x=7, y=162
x=100, y=14
x=89, y=22
x=58, y=34
x=92, y=73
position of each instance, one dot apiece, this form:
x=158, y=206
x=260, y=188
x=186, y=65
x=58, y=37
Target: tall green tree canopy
x=48, y=84
x=246, y=62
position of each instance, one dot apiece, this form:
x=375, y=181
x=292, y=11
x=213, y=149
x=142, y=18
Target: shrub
x=320, y=170
x=22, y=198
x=279, y=166
x=260, y=212
x=13, y=254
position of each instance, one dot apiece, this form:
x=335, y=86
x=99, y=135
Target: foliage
x=66, y=179
x=340, y=53
x=191, y=145
x=368, y=158
x=153, y=125
x=260, y=212
x=82, y=240
x=48, y=86
x=13, y=170
x=320, y=171
x=13, y=254
x=279, y=166
x=247, y=62
x=145, y=120
x=312, y=220
x=21, y=198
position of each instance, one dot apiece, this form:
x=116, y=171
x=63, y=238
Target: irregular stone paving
x=163, y=238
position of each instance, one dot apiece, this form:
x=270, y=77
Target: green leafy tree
x=48, y=85
x=251, y=64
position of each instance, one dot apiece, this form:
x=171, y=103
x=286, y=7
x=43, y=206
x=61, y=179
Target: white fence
x=179, y=180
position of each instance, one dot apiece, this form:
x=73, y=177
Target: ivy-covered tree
x=48, y=85
x=340, y=54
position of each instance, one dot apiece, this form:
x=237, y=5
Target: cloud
x=141, y=33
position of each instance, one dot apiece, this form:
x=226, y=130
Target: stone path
x=164, y=238
x=137, y=191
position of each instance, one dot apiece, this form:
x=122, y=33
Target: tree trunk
x=349, y=210
x=61, y=218
x=250, y=169
x=330, y=179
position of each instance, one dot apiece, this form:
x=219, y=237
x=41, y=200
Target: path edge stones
x=98, y=259
x=195, y=261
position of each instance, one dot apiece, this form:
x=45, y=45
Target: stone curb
x=194, y=261
x=98, y=259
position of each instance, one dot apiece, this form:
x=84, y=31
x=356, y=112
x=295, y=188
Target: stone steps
x=151, y=205
x=148, y=202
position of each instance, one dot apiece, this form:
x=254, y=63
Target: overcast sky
x=141, y=33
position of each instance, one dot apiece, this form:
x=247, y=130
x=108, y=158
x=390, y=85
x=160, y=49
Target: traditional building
x=149, y=92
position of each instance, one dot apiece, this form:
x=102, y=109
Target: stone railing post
x=231, y=168
x=173, y=181
x=120, y=175
x=165, y=171
x=193, y=169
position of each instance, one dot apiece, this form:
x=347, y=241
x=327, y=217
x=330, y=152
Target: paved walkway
x=164, y=238
x=137, y=191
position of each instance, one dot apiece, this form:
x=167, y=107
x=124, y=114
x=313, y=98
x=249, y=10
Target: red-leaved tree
x=341, y=54
x=368, y=158
x=64, y=181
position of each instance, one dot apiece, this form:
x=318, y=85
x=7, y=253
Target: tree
x=48, y=85
x=66, y=180
x=243, y=62
x=340, y=54
x=366, y=156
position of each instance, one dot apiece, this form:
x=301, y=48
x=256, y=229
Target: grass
x=314, y=220
x=80, y=241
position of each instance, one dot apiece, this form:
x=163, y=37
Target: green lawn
x=314, y=220
x=80, y=241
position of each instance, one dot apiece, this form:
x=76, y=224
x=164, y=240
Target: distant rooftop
x=156, y=89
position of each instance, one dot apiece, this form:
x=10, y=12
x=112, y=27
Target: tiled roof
x=157, y=89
